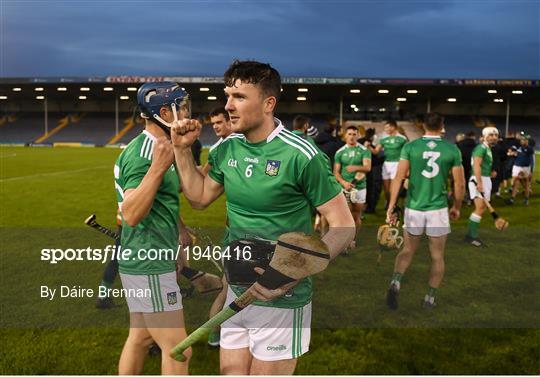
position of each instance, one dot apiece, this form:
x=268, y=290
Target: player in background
x=351, y=164
x=301, y=127
x=522, y=169
x=428, y=161
x=147, y=186
x=271, y=178
x=221, y=123
x=480, y=182
x=391, y=144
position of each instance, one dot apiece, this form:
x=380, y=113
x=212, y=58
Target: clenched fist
x=184, y=133
x=163, y=154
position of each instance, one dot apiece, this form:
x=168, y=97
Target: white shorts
x=152, y=293
x=389, y=169
x=358, y=196
x=518, y=169
x=435, y=223
x=269, y=333
x=473, y=191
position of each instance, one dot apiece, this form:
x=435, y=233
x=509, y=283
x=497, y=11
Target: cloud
x=338, y=38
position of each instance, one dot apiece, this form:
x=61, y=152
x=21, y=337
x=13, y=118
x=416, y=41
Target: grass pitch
x=487, y=320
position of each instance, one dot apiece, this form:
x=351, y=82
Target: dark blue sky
x=409, y=39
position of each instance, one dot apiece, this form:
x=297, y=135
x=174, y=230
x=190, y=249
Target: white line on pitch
x=54, y=173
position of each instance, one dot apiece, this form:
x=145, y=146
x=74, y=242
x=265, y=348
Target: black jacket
x=328, y=144
x=466, y=148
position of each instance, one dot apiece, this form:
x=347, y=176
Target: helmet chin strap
x=163, y=124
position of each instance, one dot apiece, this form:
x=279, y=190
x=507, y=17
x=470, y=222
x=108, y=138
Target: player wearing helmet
x=147, y=187
x=480, y=182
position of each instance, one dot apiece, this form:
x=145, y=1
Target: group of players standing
x=273, y=180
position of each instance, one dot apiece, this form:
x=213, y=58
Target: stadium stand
x=25, y=127
x=99, y=128
x=95, y=128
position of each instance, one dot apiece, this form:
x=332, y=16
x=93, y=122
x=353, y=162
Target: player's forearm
x=138, y=202
x=340, y=234
x=477, y=169
x=459, y=194
x=362, y=168
x=340, y=179
x=189, y=172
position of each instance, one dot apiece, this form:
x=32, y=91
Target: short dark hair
x=299, y=122
x=220, y=110
x=352, y=128
x=391, y=122
x=256, y=73
x=470, y=134
x=433, y=121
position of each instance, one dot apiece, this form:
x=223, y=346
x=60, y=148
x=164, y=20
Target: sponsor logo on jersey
x=232, y=163
x=252, y=160
x=431, y=144
x=281, y=347
x=272, y=167
x=171, y=298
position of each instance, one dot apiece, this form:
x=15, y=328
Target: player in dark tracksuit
x=521, y=170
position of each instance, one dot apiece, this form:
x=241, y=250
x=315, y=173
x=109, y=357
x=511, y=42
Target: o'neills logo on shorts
x=281, y=347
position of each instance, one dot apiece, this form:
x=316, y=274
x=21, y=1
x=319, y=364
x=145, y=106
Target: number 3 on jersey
x=249, y=171
x=432, y=156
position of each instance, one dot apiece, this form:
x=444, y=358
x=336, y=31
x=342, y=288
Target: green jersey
x=346, y=156
x=271, y=187
x=431, y=160
x=483, y=151
x=159, y=229
x=392, y=146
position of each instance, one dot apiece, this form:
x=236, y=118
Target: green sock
x=431, y=294
x=396, y=279
x=474, y=224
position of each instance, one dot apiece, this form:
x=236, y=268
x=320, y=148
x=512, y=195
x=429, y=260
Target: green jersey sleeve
x=318, y=183
x=133, y=171
x=337, y=157
x=406, y=152
x=479, y=151
x=215, y=171
x=366, y=154
x=212, y=157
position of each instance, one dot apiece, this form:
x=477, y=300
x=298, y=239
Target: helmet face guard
x=152, y=96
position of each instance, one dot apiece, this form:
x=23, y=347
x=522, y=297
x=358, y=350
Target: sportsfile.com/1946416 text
x=111, y=252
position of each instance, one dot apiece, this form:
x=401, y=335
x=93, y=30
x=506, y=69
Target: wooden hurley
x=296, y=256
x=500, y=223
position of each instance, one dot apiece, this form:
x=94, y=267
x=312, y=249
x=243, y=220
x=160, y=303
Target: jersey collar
x=430, y=137
x=277, y=130
x=149, y=135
